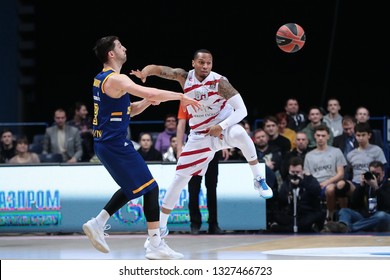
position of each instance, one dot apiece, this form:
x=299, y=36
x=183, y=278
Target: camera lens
x=368, y=175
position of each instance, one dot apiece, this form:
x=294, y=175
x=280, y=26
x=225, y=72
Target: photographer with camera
x=370, y=204
x=299, y=202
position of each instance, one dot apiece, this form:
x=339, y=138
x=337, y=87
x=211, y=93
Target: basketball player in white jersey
x=213, y=127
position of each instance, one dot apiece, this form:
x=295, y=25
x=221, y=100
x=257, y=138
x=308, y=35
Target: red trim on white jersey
x=214, y=107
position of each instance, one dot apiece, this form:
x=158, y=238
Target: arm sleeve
x=239, y=113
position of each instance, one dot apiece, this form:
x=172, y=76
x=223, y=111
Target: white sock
x=154, y=236
x=163, y=220
x=256, y=170
x=102, y=218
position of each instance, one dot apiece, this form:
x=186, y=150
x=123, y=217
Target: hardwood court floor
x=201, y=247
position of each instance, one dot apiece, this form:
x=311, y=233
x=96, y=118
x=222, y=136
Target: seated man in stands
x=83, y=122
x=63, y=139
x=7, y=146
x=326, y=163
x=370, y=206
x=299, y=203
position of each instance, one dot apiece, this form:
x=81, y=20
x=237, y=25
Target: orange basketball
x=290, y=37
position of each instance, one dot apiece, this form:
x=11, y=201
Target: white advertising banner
x=60, y=198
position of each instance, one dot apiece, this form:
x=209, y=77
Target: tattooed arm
x=176, y=74
x=226, y=90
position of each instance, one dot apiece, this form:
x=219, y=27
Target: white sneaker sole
x=154, y=257
x=266, y=196
x=92, y=239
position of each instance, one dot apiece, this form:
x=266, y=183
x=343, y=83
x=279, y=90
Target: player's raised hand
x=189, y=101
x=139, y=74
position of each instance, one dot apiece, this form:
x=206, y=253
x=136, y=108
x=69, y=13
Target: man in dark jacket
x=299, y=202
x=370, y=205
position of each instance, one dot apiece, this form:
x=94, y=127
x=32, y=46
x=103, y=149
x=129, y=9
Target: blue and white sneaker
x=163, y=232
x=264, y=190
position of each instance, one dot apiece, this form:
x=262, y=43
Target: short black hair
x=103, y=46
x=363, y=127
x=377, y=163
x=201, y=51
x=295, y=161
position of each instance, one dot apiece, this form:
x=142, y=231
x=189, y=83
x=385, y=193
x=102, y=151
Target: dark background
x=345, y=54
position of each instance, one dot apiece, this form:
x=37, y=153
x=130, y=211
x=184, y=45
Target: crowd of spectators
x=316, y=162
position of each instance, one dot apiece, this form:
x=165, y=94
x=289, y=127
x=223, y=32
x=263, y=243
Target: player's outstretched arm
x=120, y=84
x=137, y=107
x=166, y=72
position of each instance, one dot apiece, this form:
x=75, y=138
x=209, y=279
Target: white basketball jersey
x=214, y=107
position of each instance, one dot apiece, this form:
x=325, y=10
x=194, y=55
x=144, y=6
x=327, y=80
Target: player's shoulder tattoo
x=225, y=89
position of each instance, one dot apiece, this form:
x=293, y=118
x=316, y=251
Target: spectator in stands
x=270, y=126
x=326, y=163
x=359, y=158
x=272, y=157
x=268, y=154
x=245, y=123
x=315, y=116
x=300, y=151
x=63, y=139
x=370, y=207
x=163, y=141
x=171, y=154
x=23, y=155
x=306, y=207
x=7, y=146
x=346, y=142
x=282, y=120
x=83, y=122
x=297, y=119
x=333, y=118
x=146, y=149
x=362, y=115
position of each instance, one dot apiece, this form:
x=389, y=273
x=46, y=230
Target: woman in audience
x=22, y=154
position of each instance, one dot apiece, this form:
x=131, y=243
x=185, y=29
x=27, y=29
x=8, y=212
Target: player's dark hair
x=201, y=51
x=103, y=46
